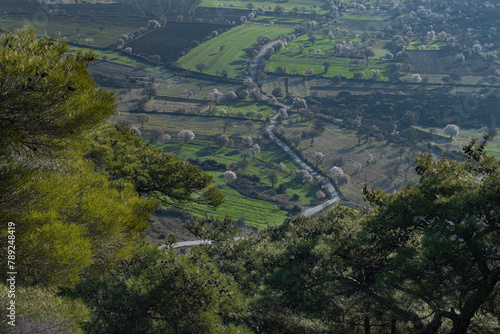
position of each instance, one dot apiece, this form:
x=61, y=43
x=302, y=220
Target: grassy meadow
x=203, y=147
x=232, y=57
x=314, y=55
x=255, y=212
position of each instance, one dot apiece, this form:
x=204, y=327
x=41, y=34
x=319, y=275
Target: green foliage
x=157, y=292
x=67, y=216
x=143, y=118
x=66, y=221
x=443, y=235
x=125, y=157
x=232, y=57
x=38, y=79
x=41, y=310
x=212, y=229
x=273, y=176
x=278, y=92
x=422, y=258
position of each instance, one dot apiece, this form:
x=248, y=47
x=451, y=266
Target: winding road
x=334, y=197
x=259, y=57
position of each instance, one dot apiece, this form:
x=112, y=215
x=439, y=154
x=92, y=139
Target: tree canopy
x=79, y=193
x=47, y=94
x=424, y=258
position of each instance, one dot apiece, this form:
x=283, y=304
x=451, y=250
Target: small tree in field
x=222, y=140
x=369, y=159
x=359, y=75
x=326, y=66
x=249, y=124
x=277, y=92
x=299, y=103
x=186, y=135
x=320, y=194
x=357, y=167
x=226, y=125
x=308, y=71
x=339, y=176
x=229, y=176
x=452, y=130
x=165, y=138
x=283, y=113
x=255, y=150
x=416, y=77
x=273, y=177
x=231, y=95
x=304, y=175
x=156, y=134
x=201, y=67
x=215, y=95
x=143, y=118
x=319, y=157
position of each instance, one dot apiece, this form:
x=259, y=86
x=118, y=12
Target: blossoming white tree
x=186, y=135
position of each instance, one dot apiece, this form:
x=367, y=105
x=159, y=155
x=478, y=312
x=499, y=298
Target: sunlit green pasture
x=314, y=55
x=232, y=56
x=256, y=212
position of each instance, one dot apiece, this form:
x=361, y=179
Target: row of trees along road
x=423, y=260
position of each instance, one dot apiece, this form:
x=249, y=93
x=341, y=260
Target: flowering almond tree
x=186, y=135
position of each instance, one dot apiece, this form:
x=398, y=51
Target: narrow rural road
x=259, y=57
x=334, y=197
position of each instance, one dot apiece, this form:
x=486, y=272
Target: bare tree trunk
x=367, y=325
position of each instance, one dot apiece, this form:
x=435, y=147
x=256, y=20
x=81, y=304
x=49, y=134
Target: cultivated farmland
x=252, y=195
x=170, y=41
x=303, y=6
x=232, y=57
x=301, y=53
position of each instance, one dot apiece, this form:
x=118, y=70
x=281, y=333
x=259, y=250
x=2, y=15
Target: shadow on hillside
x=207, y=151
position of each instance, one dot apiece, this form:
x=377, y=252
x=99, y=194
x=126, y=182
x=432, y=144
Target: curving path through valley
x=334, y=197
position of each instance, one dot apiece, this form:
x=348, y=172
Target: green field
x=493, y=150
x=203, y=148
x=204, y=128
x=297, y=62
x=71, y=2
x=307, y=5
x=232, y=58
x=427, y=45
x=256, y=212
x=236, y=108
x=364, y=18
x=177, y=86
x=259, y=167
x=278, y=20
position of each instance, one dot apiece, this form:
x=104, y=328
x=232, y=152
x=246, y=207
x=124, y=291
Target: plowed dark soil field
x=168, y=42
